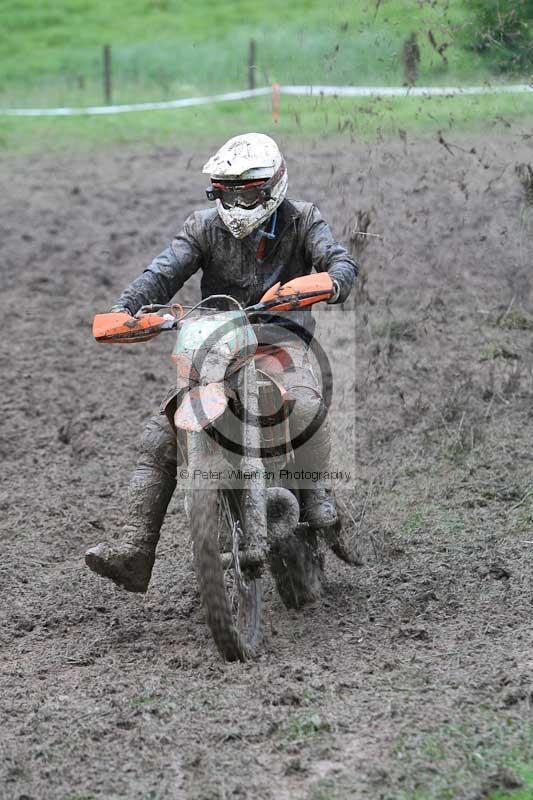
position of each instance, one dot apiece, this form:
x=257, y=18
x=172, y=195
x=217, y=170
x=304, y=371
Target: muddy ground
x=411, y=678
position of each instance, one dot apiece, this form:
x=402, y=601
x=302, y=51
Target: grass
x=301, y=117
x=523, y=519
x=80, y=797
x=164, y=49
x=495, y=350
x=395, y=329
x=525, y=773
x=436, y=517
x=416, y=522
x=516, y=320
x=495, y=754
x=331, y=789
x=145, y=700
x=302, y=727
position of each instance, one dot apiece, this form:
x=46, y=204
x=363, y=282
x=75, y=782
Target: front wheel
x=230, y=585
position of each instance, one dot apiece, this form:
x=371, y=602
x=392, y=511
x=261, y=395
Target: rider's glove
x=118, y=308
x=336, y=292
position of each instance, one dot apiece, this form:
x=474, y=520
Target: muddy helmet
x=248, y=181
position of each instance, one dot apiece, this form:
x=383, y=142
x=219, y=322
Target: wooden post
x=411, y=60
x=251, y=65
x=107, y=74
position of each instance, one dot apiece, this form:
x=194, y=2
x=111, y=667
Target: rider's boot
x=317, y=504
x=129, y=562
x=318, y=507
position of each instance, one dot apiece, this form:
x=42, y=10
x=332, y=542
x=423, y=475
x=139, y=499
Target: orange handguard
x=119, y=328
x=319, y=282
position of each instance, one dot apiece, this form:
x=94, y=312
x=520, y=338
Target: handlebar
x=120, y=327
x=294, y=301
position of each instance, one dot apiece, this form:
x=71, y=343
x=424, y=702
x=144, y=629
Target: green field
x=164, y=49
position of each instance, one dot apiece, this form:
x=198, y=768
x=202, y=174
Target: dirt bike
x=231, y=420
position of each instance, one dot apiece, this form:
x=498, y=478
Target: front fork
x=255, y=493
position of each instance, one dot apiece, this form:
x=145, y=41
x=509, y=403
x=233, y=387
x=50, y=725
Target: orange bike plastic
x=119, y=328
x=319, y=282
x=201, y=406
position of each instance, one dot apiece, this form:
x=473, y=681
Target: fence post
x=411, y=59
x=251, y=65
x=107, y=74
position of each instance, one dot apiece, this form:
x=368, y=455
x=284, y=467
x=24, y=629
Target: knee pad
x=306, y=406
x=158, y=445
x=309, y=426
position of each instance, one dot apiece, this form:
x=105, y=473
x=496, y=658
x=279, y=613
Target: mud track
x=413, y=674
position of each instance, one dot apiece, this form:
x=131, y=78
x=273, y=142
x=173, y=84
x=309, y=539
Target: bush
x=502, y=31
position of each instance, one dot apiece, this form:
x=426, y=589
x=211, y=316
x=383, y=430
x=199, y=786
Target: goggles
x=245, y=194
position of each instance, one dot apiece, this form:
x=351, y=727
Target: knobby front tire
x=233, y=615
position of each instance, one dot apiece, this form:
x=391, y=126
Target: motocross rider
x=252, y=238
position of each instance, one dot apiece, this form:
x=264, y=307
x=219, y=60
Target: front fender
x=200, y=407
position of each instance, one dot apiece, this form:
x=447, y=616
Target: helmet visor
x=245, y=194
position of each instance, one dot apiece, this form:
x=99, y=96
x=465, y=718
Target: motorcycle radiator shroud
x=208, y=351
x=213, y=346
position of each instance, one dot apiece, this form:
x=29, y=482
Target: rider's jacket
x=303, y=242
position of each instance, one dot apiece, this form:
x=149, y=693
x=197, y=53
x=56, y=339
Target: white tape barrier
x=181, y=103
x=302, y=91
x=403, y=91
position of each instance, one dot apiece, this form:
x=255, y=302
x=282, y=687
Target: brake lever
x=171, y=320
x=151, y=309
x=292, y=299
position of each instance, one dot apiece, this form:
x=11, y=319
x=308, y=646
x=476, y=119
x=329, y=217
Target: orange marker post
x=276, y=92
